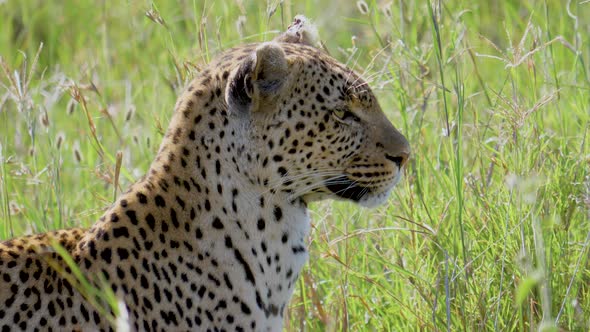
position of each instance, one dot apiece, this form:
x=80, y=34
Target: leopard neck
x=211, y=175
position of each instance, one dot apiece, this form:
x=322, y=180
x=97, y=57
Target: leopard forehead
x=317, y=67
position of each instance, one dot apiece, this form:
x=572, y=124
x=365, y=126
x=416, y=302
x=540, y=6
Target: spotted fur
x=212, y=238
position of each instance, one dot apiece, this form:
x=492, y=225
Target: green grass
x=489, y=230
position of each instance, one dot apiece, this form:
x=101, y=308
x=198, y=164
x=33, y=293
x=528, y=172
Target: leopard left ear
x=271, y=69
x=258, y=80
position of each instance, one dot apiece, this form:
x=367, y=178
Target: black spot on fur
x=132, y=216
x=120, y=232
x=278, y=213
x=151, y=221
x=160, y=201
x=217, y=224
x=247, y=270
x=261, y=224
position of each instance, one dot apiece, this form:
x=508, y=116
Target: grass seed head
x=77, y=154
x=14, y=208
x=130, y=113
x=155, y=17
x=240, y=23
x=59, y=140
x=71, y=106
x=387, y=10
x=44, y=118
x=362, y=7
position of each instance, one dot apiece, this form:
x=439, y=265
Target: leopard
x=214, y=236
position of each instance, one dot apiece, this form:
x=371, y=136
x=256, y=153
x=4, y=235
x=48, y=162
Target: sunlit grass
x=489, y=230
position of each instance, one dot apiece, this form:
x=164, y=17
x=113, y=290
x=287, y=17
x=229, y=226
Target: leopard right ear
x=301, y=31
x=258, y=80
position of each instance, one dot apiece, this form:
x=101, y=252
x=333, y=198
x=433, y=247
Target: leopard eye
x=344, y=115
x=339, y=113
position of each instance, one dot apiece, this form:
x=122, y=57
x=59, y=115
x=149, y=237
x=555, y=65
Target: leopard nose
x=399, y=159
x=394, y=145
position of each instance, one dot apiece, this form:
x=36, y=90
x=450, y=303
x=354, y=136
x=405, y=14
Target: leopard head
x=318, y=126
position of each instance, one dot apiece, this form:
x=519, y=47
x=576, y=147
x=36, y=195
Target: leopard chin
x=347, y=189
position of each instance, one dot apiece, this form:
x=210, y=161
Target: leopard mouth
x=346, y=188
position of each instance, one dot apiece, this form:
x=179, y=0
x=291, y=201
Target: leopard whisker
x=307, y=189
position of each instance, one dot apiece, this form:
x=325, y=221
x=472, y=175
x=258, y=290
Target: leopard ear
x=271, y=69
x=258, y=80
x=301, y=31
